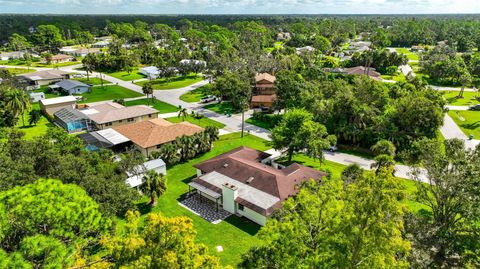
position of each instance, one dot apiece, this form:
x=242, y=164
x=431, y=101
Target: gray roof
x=70, y=84
x=69, y=114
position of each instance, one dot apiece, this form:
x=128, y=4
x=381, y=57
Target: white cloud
x=240, y=6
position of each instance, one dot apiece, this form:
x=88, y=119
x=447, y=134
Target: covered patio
x=208, y=208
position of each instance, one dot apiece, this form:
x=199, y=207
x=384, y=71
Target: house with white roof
x=151, y=72
x=135, y=177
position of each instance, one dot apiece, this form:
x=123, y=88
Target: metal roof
x=113, y=136
x=68, y=84
x=205, y=190
x=58, y=100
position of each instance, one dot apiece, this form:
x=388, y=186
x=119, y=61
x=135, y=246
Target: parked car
x=208, y=99
x=333, y=148
x=475, y=107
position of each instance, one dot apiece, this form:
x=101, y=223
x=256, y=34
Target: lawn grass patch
x=467, y=100
x=39, y=129
x=124, y=75
x=108, y=92
x=412, y=56
x=221, y=108
x=92, y=80
x=162, y=107
x=236, y=235
x=468, y=121
x=196, y=95
x=19, y=70
x=172, y=83
x=203, y=122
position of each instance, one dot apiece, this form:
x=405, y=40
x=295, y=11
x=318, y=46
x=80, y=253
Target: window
x=159, y=146
x=108, y=124
x=149, y=115
x=240, y=207
x=130, y=120
x=120, y=121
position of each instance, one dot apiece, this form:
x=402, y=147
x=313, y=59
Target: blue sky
x=240, y=6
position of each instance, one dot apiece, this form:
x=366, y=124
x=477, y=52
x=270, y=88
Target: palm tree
x=35, y=116
x=154, y=185
x=212, y=132
x=169, y=153
x=18, y=102
x=186, y=146
x=183, y=113
x=147, y=89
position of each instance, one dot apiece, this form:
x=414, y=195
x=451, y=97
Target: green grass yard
x=19, y=70
x=38, y=64
x=172, y=83
x=203, y=122
x=467, y=100
x=92, y=80
x=39, y=129
x=124, y=75
x=410, y=55
x=157, y=104
x=108, y=92
x=196, y=95
x=221, y=108
x=468, y=121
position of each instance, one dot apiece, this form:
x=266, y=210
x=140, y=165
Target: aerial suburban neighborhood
x=240, y=141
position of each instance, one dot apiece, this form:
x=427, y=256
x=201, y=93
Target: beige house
x=110, y=115
x=59, y=58
x=52, y=105
x=264, y=92
x=149, y=136
x=45, y=77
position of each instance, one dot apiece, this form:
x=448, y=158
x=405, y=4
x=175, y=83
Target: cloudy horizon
x=240, y=7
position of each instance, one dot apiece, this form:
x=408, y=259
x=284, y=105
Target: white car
x=208, y=99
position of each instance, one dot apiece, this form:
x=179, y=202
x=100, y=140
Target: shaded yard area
x=203, y=122
x=467, y=100
x=124, y=75
x=108, y=92
x=468, y=121
x=172, y=83
x=234, y=234
x=157, y=104
x=39, y=129
x=196, y=95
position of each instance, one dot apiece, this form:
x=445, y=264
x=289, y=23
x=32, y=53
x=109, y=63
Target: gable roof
x=68, y=84
x=361, y=70
x=157, y=131
x=266, y=77
x=45, y=75
x=244, y=165
x=110, y=112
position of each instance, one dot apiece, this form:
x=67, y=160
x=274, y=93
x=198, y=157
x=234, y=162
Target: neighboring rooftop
x=264, y=98
x=68, y=84
x=264, y=76
x=58, y=100
x=46, y=75
x=109, y=112
x=156, y=131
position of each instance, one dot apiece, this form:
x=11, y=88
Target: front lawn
x=18, y=71
x=412, y=56
x=38, y=64
x=172, y=83
x=203, y=122
x=124, y=75
x=162, y=107
x=196, y=95
x=92, y=80
x=235, y=235
x=221, y=108
x=468, y=121
x=108, y=92
x=467, y=100
x=39, y=129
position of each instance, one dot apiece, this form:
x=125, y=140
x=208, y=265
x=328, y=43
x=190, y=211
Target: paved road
x=441, y=88
x=451, y=130
x=458, y=107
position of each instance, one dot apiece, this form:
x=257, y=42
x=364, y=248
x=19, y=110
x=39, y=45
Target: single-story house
x=4, y=56
x=109, y=115
x=60, y=58
x=151, y=72
x=196, y=62
x=72, y=120
x=243, y=183
x=101, y=44
x=149, y=136
x=135, y=177
x=107, y=138
x=357, y=70
x=79, y=52
x=306, y=49
x=52, y=105
x=44, y=77
x=36, y=96
x=72, y=87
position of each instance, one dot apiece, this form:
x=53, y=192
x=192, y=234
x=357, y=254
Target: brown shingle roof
x=110, y=112
x=46, y=74
x=361, y=70
x=244, y=163
x=263, y=98
x=155, y=132
x=265, y=76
